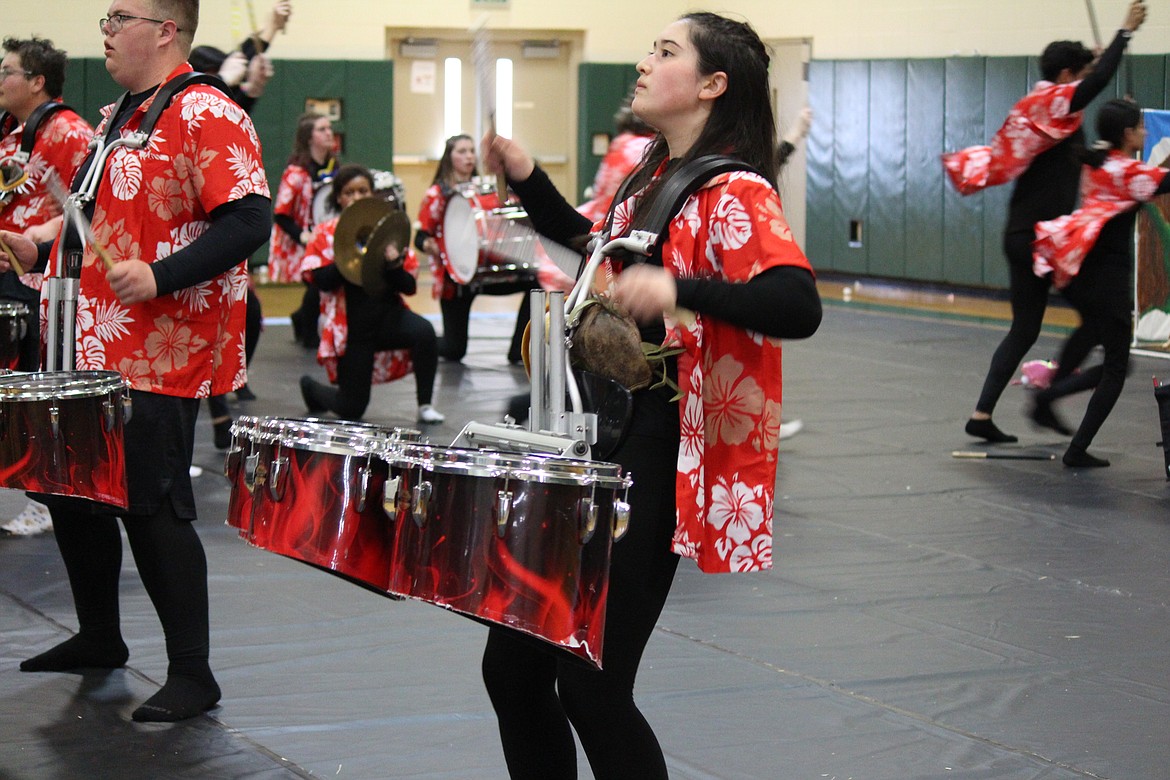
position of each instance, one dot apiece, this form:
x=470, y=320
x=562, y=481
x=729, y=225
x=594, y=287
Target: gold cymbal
x=354, y=229
x=394, y=228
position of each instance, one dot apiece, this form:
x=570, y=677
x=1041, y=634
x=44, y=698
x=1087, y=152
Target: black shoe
x=308, y=394
x=1076, y=458
x=245, y=394
x=1043, y=416
x=985, y=429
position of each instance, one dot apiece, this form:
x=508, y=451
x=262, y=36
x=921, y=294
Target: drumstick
x=481, y=60
x=1003, y=455
x=1093, y=23
x=252, y=26
x=73, y=211
x=16, y=266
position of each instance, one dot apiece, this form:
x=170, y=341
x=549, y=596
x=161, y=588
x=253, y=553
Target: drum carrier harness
x=62, y=290
x=13, y=174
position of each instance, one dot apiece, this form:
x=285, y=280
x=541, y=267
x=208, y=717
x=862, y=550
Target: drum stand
x=552, y=429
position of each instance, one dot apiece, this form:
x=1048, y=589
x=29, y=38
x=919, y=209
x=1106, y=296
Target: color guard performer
x=1036, y=149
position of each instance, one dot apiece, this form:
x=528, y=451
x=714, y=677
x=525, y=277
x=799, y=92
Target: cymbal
x=394, y=228
x=354, y=228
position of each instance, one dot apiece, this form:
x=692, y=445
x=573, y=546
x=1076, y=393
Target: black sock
x=83, y=651
x=182, y=697
x=985, y=429
x=1080, y=459
x=1043, y=416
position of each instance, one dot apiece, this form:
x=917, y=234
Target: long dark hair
x=741, y=123
x=1114, y=118
x=345, y=174
x=301, y=138
x=445, y=169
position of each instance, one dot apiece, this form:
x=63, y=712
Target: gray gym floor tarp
x=927, y=617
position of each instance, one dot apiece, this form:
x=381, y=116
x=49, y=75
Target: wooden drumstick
x=16, y=266
x=252, y=26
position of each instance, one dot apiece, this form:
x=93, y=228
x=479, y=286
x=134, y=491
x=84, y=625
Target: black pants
x=537, y=694
x=1029, y=299
x=398, y=328
x=456, y=313
x=1101, y=293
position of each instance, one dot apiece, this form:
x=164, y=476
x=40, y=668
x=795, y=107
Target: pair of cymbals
x=364, y=230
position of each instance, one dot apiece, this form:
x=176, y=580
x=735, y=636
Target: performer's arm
x=289, y=226
x=326, y=278
x=781, y=302
x=237, y=229
x=552, y=216
x=1102, y=73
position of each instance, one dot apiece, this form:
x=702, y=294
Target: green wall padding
x=602, y=87
x=873, y=155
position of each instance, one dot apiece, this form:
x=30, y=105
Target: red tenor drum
x=521, y=541
x=487, y=243
x=62, y=432
x=13, y=323
x=314, y=492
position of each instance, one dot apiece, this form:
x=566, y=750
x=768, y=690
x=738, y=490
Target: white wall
x=622, y=31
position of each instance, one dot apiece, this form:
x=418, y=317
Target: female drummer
x=1089, y=254
x=365, y=339
x=457, y=167
x=311, y=163
x=704, y=466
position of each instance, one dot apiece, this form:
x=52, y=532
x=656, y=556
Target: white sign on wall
x=422, y=77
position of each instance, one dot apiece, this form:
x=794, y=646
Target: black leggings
x=1029, y=299
x=399, y=328
x=537, y=694
x=217, y=405
x=1101, y=294
x=456, y=313
x=171, y=562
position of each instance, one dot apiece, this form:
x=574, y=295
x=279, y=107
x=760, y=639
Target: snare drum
x=62, y=432
x=314, y=492
x=516, y=540
x=486, y=242
x=13, y=326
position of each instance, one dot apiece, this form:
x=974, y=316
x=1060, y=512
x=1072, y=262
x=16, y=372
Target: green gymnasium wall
x=873, y=158
x=366, y=89
x=602, y=87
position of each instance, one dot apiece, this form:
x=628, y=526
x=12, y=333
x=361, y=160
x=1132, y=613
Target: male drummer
x=32, y=75
x=178, y=218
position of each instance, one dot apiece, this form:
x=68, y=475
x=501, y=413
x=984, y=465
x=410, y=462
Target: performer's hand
x=392, y=253
x=646, y=292
x=306, y=237
x=281, y=11
x=46, y=231
x=1134, y=16
x=260, y=70
x=800, y=127
x=24, y=249
x=505, y=156
x=132, y=281
x=431, y=246
x=234, y=68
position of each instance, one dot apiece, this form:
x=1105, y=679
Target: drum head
x=461, y=237
x=323, y=210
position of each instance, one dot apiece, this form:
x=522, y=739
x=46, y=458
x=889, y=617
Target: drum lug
x=621, y=519
x=108, y=410
x=390, y=496
x=586, y=519
x=127, y=408
x=55, y=420
x=250, y=464
x=503, y=511
x=420, y=501
x=276, y=478
x=363, y=474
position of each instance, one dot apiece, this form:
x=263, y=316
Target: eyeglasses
x=6, y=72
x=113, y=24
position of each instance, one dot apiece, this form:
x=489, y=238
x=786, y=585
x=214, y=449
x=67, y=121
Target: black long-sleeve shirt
x=781, y=302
